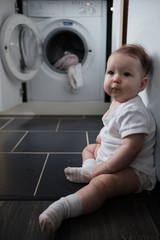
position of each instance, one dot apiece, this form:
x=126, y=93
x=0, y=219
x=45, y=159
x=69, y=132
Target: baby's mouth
x=115, y=86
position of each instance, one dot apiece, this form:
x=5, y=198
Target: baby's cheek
x=106, y=85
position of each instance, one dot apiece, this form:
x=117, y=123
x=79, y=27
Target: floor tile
x=92, y=137
x=3, y=121
x=34, y=123
x=19, y=174
x=54, y=183
x=8, y=140
x=52, y=142
x=81, y=124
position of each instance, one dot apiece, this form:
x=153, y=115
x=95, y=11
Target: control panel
x=34, y=8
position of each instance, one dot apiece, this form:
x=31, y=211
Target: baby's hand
x=99, y=169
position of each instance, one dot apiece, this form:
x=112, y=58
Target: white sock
x=66, y=207
x=81, y=174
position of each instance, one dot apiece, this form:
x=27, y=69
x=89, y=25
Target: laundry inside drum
x=65, y=47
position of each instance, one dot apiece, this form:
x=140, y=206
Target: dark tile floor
x=35, y=150
x=33, y=154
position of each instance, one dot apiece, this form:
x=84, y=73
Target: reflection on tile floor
x=35, y=150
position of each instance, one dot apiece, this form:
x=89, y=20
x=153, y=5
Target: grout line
x=58, y=124
x=87, y=138
x=16, y=130
x=9, y=121
x=25, y=130
x=65, y=152
x=47, y=131
x=19, y=141
x=41, y=153
x=40, y=177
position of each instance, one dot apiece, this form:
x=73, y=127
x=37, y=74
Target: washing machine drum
x=64, y=48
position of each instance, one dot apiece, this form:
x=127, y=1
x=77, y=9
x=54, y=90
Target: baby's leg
x=83, y=174
x=66, y=207
x=90, y=151
x=89, y=198
x=107, y=186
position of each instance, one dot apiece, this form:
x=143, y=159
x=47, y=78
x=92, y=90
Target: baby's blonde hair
x=139, y=52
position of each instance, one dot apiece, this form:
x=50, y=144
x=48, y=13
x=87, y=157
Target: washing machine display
x=60, y=46
x=35, y=8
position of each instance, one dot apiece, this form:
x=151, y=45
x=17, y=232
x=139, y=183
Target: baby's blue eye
x=126, y=74
x=110, y=72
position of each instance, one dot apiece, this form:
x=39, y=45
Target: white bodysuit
x=131, y=117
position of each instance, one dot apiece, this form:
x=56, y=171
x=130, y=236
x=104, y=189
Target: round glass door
x=64, y=47
x=20, y=47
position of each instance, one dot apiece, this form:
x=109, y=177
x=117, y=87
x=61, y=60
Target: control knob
x=82, y=11
x=92, y=10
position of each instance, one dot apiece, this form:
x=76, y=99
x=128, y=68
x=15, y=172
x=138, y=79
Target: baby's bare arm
x=126, y=153
x=98, y=139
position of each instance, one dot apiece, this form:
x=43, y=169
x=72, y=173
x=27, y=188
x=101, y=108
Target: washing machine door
x=21, y=49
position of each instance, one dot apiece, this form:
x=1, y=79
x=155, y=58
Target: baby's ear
x=143, y=84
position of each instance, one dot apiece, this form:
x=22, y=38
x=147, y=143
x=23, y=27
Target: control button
x=82, y=11
x=92, y=10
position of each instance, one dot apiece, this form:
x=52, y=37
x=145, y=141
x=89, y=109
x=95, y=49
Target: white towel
x=75, y=79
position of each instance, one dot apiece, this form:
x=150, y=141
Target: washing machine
x=48, y=30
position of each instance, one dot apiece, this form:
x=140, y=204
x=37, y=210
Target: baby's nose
x=117, y=78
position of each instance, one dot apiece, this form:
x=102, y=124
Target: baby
x=121, y=161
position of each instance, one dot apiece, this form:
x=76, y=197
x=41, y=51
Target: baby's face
x=124, y=77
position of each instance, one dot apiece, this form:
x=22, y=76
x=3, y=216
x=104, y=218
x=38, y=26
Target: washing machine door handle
x=21, y=48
